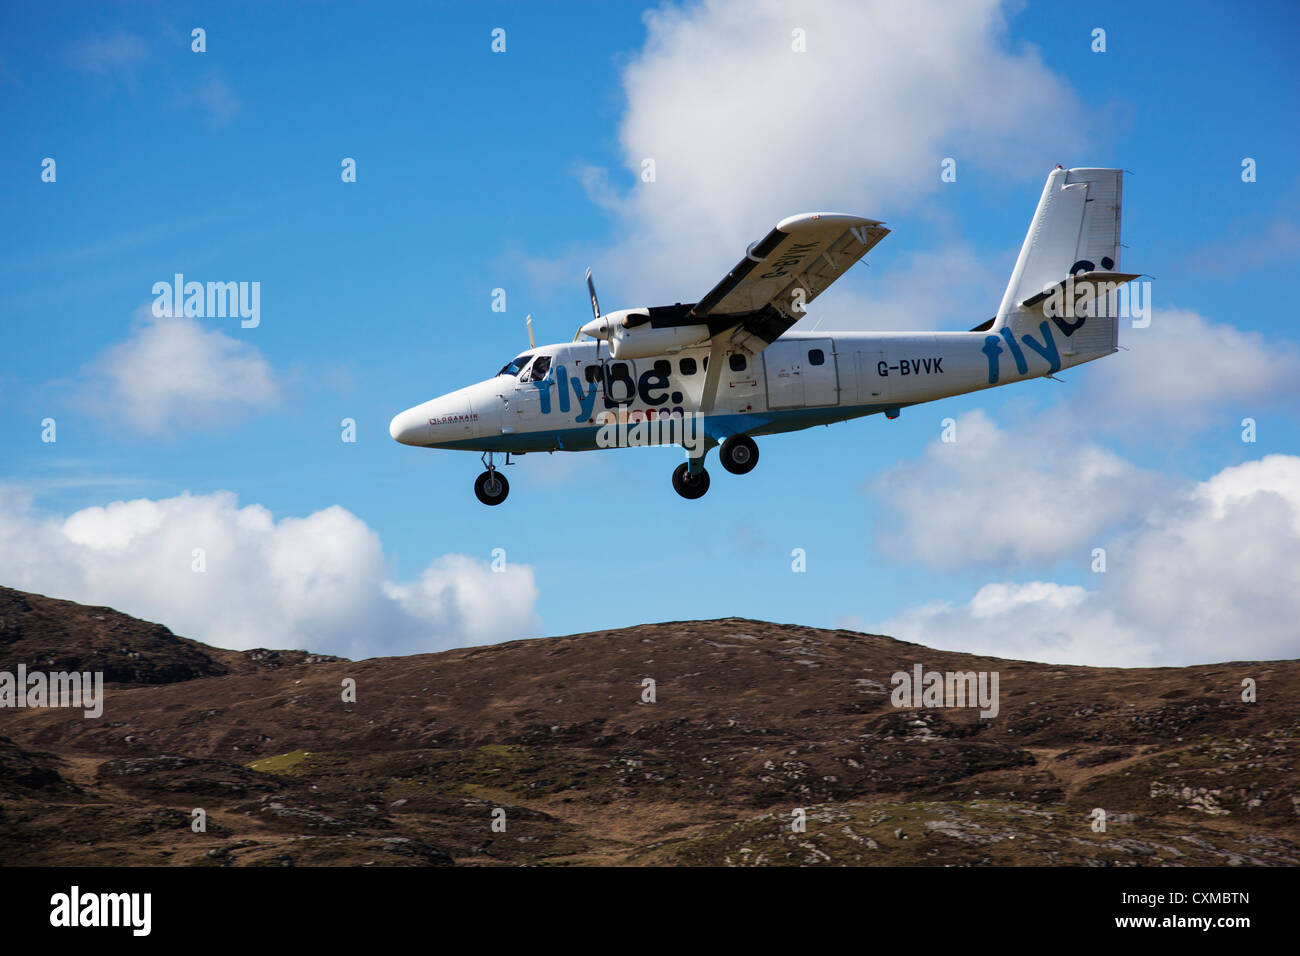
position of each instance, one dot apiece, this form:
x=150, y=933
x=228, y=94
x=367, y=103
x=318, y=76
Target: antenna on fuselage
x=529, y=319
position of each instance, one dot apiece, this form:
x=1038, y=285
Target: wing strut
x=713, y=374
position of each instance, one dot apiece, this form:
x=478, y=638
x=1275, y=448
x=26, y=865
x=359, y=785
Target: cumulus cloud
x=1184, y=369
x=174, y=373
x=743, y=130
x=1007, y=496
x=320, y=582
x=1212, y=575
x=950, y=287
x=1036, y=620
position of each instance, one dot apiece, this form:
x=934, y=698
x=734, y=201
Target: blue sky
x=479, y=170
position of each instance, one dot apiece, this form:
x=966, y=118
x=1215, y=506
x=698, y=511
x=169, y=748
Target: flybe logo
x=578, y=398
x=1046, y=348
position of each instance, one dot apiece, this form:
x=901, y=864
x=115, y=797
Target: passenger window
x=737, y=363
x=593, y=373
x=663, y=367
x=687, y=365
x=816, y=357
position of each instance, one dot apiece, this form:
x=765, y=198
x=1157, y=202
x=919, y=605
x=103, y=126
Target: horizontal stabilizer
x=1066, y=295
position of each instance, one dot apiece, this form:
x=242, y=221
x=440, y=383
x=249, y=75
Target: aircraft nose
x=410, y=427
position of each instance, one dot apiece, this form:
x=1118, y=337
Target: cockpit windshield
x=516, y=366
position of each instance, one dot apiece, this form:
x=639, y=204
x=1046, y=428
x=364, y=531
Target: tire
x=690, y=486
x=491, y=487
x=739, y=454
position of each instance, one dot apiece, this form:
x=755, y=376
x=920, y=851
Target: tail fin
x=1074, y=230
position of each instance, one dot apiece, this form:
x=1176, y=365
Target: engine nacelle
x=645, y=342
x=631, y=336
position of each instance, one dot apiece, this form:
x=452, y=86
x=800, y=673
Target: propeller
x=591, y=291
x=529, y=320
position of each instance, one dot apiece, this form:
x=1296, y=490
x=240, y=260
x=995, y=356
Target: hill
x=751, y=722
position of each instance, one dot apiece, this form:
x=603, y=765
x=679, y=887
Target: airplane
x=727, y=369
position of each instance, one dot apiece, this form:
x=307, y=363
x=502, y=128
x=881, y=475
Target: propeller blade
x=529, y=320
x=591, y=291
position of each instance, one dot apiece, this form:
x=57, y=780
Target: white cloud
x=744, y=131
x=1037, y=621
x=319, y=582
x=173, y=373
x=993, y=600
x=1007, y=497
x=1233, y=486
x=950, y=287
x=1212, y=575
x=1183, y=369
x=1219, y=572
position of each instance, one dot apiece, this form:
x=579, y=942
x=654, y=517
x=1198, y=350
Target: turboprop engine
x=631, y=335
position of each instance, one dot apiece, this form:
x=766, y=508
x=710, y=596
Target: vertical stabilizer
x=1075, y=229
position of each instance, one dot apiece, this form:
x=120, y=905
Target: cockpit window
x=537, y=371
x=515, y=367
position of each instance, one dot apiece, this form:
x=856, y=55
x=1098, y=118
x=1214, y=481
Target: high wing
x=768, y=290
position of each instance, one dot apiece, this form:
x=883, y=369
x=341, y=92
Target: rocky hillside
x=48, y=634
x=753, y=726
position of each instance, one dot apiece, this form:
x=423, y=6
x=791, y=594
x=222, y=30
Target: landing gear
x=739, y=454
x=491, y=487
x=688, y=485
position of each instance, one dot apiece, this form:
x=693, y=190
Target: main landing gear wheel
x=688, y=485
x=491, y=487
x=739, y=454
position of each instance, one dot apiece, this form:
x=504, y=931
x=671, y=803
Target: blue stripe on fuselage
x=718, y=426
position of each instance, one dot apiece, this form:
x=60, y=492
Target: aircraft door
x=801, y=373
x=821, y=382
x=873, y=377
x=785, y=386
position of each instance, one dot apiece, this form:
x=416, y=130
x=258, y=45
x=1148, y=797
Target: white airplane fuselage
x=800, y=380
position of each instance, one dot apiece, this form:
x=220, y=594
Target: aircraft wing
x=769, y=289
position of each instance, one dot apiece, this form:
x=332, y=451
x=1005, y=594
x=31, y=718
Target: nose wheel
x=491, y=487
x=688, y=485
